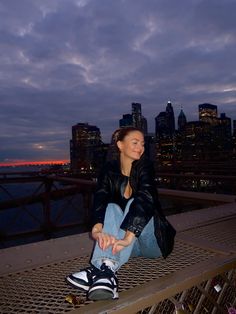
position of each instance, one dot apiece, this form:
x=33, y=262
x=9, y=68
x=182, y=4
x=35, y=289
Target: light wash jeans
x=145, y=245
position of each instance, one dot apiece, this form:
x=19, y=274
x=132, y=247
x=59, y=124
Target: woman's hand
x=104, y=239
x=120, y=244
x=96, y=230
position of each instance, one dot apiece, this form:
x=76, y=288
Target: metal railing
x=46, y=208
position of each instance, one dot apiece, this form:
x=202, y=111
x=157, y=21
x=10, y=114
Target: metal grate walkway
x=204, y=255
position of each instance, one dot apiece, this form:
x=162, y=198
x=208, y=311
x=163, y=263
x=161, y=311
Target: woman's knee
x=113, y=210
x=113, y=218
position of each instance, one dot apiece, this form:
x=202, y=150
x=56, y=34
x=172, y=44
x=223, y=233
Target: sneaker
x=105, y=285
x=83, y=279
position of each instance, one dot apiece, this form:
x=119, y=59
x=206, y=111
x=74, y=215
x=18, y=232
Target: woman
x=123, y=224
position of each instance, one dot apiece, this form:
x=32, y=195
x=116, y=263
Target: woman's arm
x=104, y=240
x=145, y=197
x=126, y=241
x=102, y=196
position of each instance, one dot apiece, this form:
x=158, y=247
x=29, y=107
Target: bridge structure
x=198, y=277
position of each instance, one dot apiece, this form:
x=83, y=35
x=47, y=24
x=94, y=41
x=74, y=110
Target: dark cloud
x=64, y=62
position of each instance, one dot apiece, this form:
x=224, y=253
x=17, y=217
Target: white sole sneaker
x=82, y=279
x=99, y=293
x=72, y=281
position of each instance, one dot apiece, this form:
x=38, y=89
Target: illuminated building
x=165, y=122
x=86, y=149
x=197, y=142
x=222, y=133
x=165, y=137
x=170, y=118
x=208, y=113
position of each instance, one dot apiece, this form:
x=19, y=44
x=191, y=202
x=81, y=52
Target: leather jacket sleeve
x=101, y=197
x=145, y=197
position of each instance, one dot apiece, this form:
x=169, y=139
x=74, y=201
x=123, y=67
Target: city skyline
x=50, y=162
x=65, y=62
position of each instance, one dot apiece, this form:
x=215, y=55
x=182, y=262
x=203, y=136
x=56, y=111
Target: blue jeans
x=145, y=245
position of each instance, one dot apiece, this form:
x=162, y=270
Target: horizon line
x=32, y=163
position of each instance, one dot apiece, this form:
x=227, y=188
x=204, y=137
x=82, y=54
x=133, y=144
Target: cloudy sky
x=69, y=61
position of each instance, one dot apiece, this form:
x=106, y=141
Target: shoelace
x=105, y=272
x=91, y=272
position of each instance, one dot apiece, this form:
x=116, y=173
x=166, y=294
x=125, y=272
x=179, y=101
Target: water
x=68, y=210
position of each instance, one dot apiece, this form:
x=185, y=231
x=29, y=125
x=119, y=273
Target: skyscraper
x=85, y=146
x=181, y=121
x=208, y=113
x=225, y=123
x=222, y=133
x=197, y=143
x=165, y=122
x=170, y=118
x=234, y=139
x=234, y=128
x=144, y=125
x=127, y=120
x=135, y=119
x=161, y=125
x=137, y=115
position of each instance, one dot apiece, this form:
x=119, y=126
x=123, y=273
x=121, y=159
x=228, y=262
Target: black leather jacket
x=111, y=185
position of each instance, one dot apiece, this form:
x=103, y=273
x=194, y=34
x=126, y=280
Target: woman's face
x=132, y=146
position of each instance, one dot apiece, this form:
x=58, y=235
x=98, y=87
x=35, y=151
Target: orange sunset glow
x=32, y=163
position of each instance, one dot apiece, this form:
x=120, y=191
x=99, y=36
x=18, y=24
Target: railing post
x=87, y=201
x=47, y=225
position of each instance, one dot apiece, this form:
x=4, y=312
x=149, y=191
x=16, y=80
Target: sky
x=64, y=62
